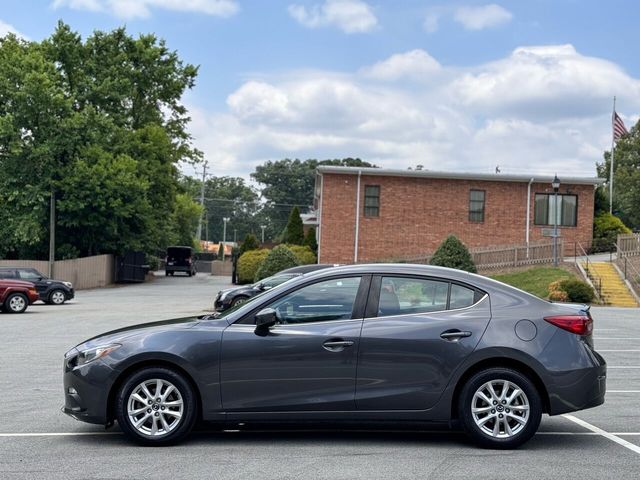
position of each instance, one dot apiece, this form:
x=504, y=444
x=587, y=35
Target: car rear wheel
x=57, y=297
x=500, y=408
x=16, y=303
x=156, y=406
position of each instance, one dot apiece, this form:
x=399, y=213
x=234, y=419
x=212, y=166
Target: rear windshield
x=179, y=252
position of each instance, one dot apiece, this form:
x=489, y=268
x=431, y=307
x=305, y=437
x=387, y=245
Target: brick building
x=367, y=214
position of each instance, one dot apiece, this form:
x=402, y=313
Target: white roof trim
x=492, y=177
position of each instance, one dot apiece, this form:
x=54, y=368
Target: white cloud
x=5, y=28
x=539, y=109
x=481, y=17
x=129, y=9
x=415, y=64
x=432, y=22
x=351, y=16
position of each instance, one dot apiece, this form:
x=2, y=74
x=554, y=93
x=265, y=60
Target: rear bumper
x=578, y=389
x=180, y=268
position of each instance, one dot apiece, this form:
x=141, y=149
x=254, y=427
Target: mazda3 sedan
x=366, y=344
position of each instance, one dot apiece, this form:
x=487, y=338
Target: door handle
x=454, y=335
x=336, y=345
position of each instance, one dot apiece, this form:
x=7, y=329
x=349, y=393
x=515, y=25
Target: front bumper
x=86, y=391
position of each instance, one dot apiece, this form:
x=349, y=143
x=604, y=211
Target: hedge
x=248, y=264
x=278, y=259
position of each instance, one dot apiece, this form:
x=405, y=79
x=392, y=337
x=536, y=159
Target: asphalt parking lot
x=38, y=441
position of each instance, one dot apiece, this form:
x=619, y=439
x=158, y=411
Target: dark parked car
x=372, y=344
x=54, y=292
x=179, y=259
x=232, y=297
x=16, y=295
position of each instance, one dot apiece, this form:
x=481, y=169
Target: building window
x=476, y=206
x=372, y=200
x=566, y=212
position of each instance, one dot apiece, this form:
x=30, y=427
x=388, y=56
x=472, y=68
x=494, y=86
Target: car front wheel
x=16, y=303
x=57, y=297
x=500, y=408
x=156, y=406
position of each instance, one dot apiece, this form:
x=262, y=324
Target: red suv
x=16, y=295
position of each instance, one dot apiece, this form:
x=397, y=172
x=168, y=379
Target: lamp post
x=555, y=183
x=224, y=235
x=263, y=227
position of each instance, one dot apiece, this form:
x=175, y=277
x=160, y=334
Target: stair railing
x=587, y=265
x=628, y=269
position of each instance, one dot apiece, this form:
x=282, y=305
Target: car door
x=417, y=331
x=31, y=275
x=307, y=361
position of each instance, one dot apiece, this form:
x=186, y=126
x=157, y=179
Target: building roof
x=493, y=177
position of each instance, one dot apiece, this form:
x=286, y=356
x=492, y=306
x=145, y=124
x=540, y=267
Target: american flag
x=618, y=127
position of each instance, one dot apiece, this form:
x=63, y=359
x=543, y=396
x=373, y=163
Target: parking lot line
x=623, y=391
x=612, y=351
x=617, y=338
x=599, y=431
x=624, y=366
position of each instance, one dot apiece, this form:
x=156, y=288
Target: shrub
x=304, y=255
x=153, y=262
x=248, y=264
x=577, y=290
x=606, y=228
x=250, y=243
x=453, y=254
x=294, y=232
x=310, y=240
x=278, y=259
x=558, y=296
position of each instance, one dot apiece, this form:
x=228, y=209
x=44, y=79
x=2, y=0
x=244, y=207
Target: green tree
x=250, y=243
x=626, y=183
x=310, y=240
x=278, y=259
x=294, y=232
x=186, y=216
x=287, y=183
x=110, y=103
x=452, y=253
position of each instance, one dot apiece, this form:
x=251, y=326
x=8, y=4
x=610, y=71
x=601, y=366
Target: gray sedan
x=367, y=344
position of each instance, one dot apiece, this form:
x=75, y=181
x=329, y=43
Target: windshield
x=275, y=280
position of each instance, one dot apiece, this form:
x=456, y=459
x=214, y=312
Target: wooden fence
x=628, y=245
x=488, y=258
x=86, y=272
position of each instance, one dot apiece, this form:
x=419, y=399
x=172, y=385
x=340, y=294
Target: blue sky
x=450, y=85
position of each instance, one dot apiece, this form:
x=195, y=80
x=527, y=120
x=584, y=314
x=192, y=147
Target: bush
x=578, y=291
x=310, y=240
x=153, y=262
x=453, y=254
x=294, y=232
x=249, y=263
x=606, y=228
x=250, y=243
x=304, y=255
x=278, y=259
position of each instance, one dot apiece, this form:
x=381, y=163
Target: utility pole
x=52, y=233
x=204, y=177
x=235, y=238
x=224, y=236
x=263, y=227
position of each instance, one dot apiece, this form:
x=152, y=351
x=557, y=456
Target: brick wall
x=416, y=214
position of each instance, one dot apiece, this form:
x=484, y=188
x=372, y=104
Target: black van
x=179, y=259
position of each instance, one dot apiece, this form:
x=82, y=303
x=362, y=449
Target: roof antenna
x=497, y=168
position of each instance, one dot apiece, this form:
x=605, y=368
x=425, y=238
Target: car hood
x=244, y=288
x=116, y=336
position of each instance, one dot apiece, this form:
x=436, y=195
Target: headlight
x=68, y=284
x=88, y=356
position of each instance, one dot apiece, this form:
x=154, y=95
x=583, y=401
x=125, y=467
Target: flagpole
x=613, y=149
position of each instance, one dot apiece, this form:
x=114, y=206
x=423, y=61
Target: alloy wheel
x=57, y=297
x=155, y=407
x=17, y=303
x=500, y=408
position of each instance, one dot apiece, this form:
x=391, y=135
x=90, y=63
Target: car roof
x=308, y=268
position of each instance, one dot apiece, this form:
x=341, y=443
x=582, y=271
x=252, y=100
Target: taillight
x=189, y=260
x=578, y=324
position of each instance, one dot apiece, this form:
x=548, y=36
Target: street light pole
x=224, y=236
x=263, y=227
x=556, y=186
x=204, y=178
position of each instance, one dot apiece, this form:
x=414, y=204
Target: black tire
x=483, y=438
x=50, y=300
x=166, y=274
x=12, y=303
x=238, y=300
x=189, y=399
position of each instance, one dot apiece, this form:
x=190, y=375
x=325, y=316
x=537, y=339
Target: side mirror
x=266, y=318
x=260, y=286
